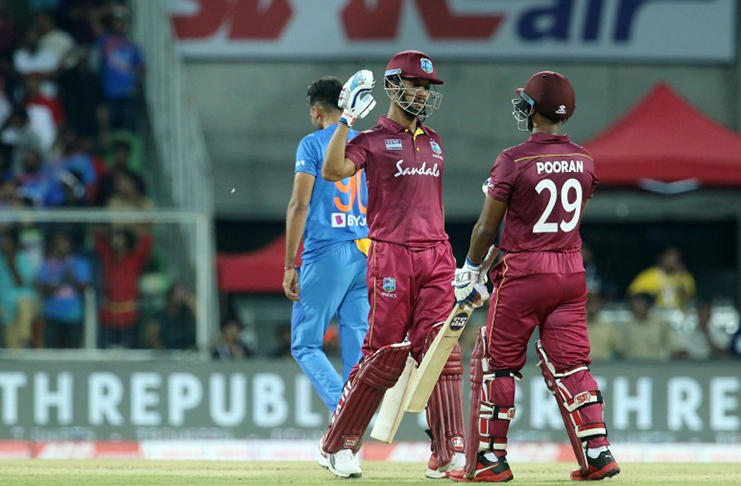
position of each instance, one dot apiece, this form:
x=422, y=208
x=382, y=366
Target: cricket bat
x=432, y=364
x=392, y=408
x=428, y=371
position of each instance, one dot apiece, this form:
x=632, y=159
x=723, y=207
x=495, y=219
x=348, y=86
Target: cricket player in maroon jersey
x=539, y=189
x=410, y=262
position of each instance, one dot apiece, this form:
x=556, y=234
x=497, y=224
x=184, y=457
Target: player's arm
x=298, y=209
x=486, y=229
x=336, y=166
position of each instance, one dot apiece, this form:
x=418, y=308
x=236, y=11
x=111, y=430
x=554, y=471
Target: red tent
x=256, y=271
x=664, y=138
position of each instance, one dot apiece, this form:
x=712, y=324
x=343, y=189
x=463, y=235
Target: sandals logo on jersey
x=426, y=65
x=393, y=144
x=458, y=444
x=389, y=285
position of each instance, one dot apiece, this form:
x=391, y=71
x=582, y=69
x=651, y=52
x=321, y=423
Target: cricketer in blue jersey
x=331, y=282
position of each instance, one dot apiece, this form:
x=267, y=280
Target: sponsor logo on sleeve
x=393, y=144
x=299, y=163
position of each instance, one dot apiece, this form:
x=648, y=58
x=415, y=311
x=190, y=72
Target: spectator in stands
x=174, y=326
x=82, y=96
x=18, y=133
x=32, y=58
x=229, y=346
x=36, y=184
x=81, y=18
x=128, y=193
x=120, y=165
x=668, y=282
x=69, y=157
x=123, y=257
x=62, y=279
x=18, y=299
x=53, y=38
x=283, y=349
x=9, y=194
x=45, y=113
x=603, y=335
x=122, y=70
x=645, y=337
x=702, y=341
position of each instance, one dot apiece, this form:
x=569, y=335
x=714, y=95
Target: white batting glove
x=470, y=285
x=355, y=98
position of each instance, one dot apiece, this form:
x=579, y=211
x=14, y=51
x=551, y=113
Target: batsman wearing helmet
x=410, y=263
x=539, y=189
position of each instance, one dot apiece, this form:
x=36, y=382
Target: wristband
x=291, y=267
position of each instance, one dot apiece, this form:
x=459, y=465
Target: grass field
x=143, y=473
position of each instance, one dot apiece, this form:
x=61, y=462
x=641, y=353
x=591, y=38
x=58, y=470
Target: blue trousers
x=332, y=285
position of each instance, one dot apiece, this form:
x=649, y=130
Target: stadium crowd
x=70, y=101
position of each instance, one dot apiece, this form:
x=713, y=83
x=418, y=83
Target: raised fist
x=355, y=98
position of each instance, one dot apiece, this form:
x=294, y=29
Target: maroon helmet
x=413, y=64
x=550, y=94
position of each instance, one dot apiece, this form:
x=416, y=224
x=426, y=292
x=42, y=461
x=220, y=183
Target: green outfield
x=142, y=473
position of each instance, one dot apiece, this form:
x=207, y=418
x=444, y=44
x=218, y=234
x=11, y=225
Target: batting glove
x=470, y=287
x=355, y=98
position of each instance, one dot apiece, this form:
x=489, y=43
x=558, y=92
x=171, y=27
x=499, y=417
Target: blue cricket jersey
x=337, y=209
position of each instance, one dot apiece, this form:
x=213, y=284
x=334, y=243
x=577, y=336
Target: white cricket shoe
x=457, y=462
x=344, y=464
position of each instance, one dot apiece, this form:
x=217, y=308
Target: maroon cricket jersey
x=404, y=176
x=545, y=182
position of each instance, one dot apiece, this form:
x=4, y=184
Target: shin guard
x=488, y=422
x=445, y=407
x=578, y=429
x=362, y=395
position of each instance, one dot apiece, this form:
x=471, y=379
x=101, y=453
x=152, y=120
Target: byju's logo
x=339, y=220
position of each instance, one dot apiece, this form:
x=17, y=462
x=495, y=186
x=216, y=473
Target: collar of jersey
x=394, y=127
x=549, y=138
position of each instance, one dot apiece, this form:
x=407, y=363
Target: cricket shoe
x=322, y=460
x=486, y=471
x=601, y=467
x=458, y=461
x=343, y=464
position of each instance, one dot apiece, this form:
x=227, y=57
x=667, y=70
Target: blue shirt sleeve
x=308, y=157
